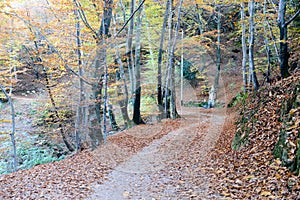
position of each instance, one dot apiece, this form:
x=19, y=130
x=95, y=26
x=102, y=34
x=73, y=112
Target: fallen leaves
x=253, y=172
x=72, y=178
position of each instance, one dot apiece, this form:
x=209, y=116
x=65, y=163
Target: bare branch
x=291, y=19
x=84, y=19
x=129, y=19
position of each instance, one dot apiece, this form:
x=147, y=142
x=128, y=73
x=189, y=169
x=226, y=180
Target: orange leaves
x=252, y=172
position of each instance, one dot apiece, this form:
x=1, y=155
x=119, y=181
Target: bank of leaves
x=265, y=164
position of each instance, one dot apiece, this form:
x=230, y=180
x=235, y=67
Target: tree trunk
x=268, y=51
x=112, y=118
x=181, y=71
x=244, y=47
x=160, y=53
x=55, y=109
x=168, y=74
x=283, y=55
x=79, y=112
x=137, y=119
x=173, y=110
x=120, y=76
x=130, y=63
x=218, y=52
x=251, y=46
x=107, y=16
x=95, y=133
x=13, y=129
x=105, y=99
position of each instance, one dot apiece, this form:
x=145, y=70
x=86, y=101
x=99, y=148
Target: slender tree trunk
x=107, y=16
x=53, y=103
x=13, y=67
x=112, y=118
x=129, y=49
x=174, y=113
x=120, y=76
x=79, y=112
x=160, y=55
x=244, y=47
x=13, y=129
x=268, y=51
x=199, y=19
x=51, y=96
x=168, y=74
x=274, y=41
x=105, y=100
x=218, y=52
x=123, y=10
x=137, y=119
x=181, y=71
x=251, y=46
x=123, y=102
x=283, y=55
x=104, y=29
x=94, y=109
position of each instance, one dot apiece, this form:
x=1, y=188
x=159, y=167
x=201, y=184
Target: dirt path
x=156, y=171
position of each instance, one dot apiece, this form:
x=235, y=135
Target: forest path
x=166, y=168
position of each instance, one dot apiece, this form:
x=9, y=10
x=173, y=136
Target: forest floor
x=169, y=167
x=159, y=161
x=187, y=158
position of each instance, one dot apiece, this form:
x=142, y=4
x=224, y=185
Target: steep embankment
x=267, y=134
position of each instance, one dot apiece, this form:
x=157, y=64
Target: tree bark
x=13, y=129
x=120, y=76
x=79, y=112
x=137, y=119
x=244, y=47
x=159, y=62
x=218, y=51
x=174, y=113
x=130, y=62
x=168, y=74
x=268, y=51
x=283, y=52
x=251, y=46
x=112, y=118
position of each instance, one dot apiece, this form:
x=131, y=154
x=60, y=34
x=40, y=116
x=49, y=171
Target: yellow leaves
x=278, y=177
x=3, y=133
x=265, y=193
x=248, y=177
x=5, y=121
x=292, y=111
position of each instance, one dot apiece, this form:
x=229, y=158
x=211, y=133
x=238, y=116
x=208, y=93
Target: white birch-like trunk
x=13, y=128
x=251, y=45
x=244, y=47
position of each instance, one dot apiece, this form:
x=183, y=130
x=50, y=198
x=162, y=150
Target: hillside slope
x=266, y=132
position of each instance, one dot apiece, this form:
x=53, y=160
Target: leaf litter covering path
x=167, y=167
x=74, y=177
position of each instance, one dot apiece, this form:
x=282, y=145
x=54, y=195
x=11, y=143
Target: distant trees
x=268, y=32
x=73, y=46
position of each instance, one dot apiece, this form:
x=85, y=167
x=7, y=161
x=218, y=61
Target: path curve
x=141, y=176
